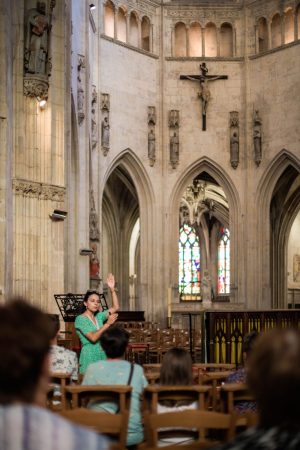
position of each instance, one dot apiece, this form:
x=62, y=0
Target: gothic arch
x=266, y=283
x=237, y=261
x=129, y=162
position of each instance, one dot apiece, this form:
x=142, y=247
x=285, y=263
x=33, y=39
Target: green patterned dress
x=90, y=352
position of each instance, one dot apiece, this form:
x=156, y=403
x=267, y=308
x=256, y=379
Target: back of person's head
x=248, y=343
x=176, y=368
x=274, y=377
x=25, y=334
x=114, y=341
x=55, y=324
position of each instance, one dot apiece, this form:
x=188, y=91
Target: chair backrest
x=61, y=380
x=112, y=425
x=191, y=422
x=214, y=379
x=81, y=395
x=154, y=394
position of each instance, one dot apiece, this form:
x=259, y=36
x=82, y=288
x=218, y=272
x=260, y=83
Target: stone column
x=187, y=40
x=203, y=40
x=218, y=40
x=282, y=28
x=115, y=23
x=140, y=33
x=127, y=15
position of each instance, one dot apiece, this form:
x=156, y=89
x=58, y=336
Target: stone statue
x=151, y=147
x=234, y=150
x=174, y=150
x=174, y=118
x=105, y=135
x=36, y=41
x=257, y=138
x=94, y=262
x=94, y=119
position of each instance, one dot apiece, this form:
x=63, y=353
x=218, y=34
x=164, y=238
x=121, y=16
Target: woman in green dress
x=92, y=323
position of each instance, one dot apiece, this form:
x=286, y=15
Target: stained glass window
x=189, y=263
x=224, y=262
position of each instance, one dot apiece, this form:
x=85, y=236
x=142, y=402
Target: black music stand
x=70, y=305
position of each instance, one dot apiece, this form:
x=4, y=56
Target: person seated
x=25, y=335
x=62, y=359
x=176, y=370
x=115, y=370
x=240, y=375
x=274, y=377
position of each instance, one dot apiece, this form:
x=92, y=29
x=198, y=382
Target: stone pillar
x=140, y=33
x=218, y=40
x=115, y=23
x=187, y=40
x=295, y=26
x=203, y=40
x=282, y=28
x=269, y=36
x=127, y=15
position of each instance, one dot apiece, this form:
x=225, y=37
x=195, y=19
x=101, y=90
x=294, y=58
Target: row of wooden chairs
x=77, y=398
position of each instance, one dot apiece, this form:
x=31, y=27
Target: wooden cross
x=204, y=92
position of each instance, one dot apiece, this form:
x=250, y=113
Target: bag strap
x=130, y=374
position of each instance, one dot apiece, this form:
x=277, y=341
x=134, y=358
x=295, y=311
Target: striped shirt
x=28, y=427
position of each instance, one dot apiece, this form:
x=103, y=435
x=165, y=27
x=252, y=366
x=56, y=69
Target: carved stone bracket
x=105, y=125
x=174, y=137
x=80, y=88
x=94, y=117
x=234, y=139
x=257, y=125
x=37, y=60
x=151, y=135
x=40, y=191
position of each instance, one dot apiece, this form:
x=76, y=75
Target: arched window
x=146, y=34
x=276, y=31
x=189, y=263
x=109, y=19
x=226, y=40
x=180, y=39
x=210, y=40
x=133, y=30
x=121, y=27
x=224, y=262
x=262, y=29
x=288, y=26
x=195, y=40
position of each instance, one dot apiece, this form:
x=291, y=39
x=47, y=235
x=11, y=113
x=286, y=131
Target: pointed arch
x=129, y=162
x=217, y=172
x=283, y=161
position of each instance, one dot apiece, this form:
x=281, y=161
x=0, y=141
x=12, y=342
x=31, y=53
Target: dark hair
x=274, y=377
x=54, y=322
x=248, y=341
x=114, y=341
x=25, y=334
x=88, y=293
x=176, y=368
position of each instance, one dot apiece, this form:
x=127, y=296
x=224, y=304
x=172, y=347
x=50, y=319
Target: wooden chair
x=193, y=424
x=58, y=382
x=214, y=379
x=153, y=394
x=231, y=394
x=112, y=425
x=79, y=396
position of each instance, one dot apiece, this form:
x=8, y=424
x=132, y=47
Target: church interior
x=158, y=140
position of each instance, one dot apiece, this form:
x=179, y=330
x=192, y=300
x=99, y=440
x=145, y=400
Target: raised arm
x=115, y=302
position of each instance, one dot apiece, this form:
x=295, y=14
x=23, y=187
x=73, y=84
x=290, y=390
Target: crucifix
x=204, y=92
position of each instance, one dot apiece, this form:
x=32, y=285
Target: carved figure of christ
x=204, y=92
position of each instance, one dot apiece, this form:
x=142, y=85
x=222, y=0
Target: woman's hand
x=110, y=281
x=112, y=318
